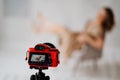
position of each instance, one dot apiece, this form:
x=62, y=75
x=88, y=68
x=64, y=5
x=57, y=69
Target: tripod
x=40, y=75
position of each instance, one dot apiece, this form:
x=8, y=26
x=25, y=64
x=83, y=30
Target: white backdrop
x=72, y=13
x=17, y=35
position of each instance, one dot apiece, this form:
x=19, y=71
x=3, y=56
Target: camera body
x=43, y=56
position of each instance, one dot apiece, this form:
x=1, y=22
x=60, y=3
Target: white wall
x=1, y=15
x=16, y=35
x=72, y=13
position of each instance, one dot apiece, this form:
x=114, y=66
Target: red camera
x=43, y=56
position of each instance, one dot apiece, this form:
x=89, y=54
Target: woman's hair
x=109, y=22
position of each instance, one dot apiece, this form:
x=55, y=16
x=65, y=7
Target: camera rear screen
x=38, y=58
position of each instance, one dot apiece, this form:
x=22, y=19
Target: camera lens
x=41, y=48
x=38, y=47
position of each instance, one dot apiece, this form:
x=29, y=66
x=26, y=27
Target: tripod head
x=40, y=75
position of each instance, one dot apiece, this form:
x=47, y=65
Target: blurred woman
x=94, y=34
x=93, y=37
x=90, y=41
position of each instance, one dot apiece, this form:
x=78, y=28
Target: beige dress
x=70, y=44
x=89, y=52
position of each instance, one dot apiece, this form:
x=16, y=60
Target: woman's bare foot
x=41, y=23
x=41, y=19
x=35, y=27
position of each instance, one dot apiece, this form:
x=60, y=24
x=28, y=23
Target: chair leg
x=95, y=64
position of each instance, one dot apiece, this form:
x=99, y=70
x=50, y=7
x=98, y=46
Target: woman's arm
x=97, y=43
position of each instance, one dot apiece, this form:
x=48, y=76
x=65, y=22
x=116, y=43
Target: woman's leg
x=48, y=27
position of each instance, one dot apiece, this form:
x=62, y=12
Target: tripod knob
x=37, y=77
x=47, y=78
x=33, y=77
